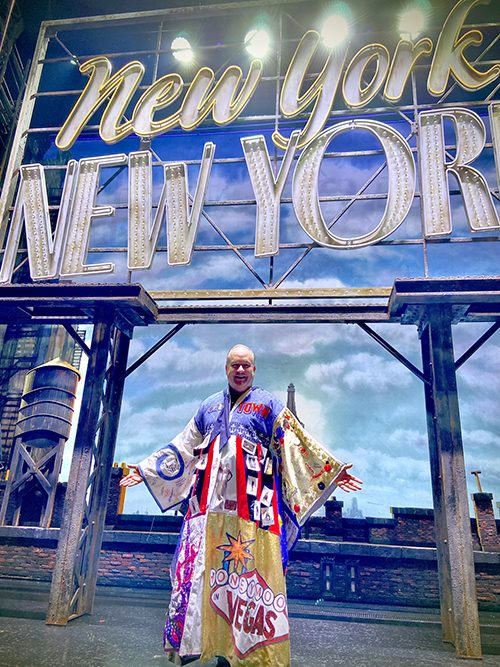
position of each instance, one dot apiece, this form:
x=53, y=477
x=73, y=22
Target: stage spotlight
x=182, y=50
x=257, y=42
x=335, y=30
x=411, y=24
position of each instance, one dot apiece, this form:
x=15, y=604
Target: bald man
x=252, y=476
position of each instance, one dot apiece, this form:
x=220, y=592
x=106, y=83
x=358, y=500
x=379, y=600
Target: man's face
x=240, y=369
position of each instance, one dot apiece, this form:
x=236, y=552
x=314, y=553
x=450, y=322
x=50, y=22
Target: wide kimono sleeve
x=308, y=470
x=169, y=472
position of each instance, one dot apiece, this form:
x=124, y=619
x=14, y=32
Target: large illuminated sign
x=372, y=71
x=226, y=101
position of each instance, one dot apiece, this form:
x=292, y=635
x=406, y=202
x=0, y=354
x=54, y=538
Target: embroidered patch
x=171, y=464
x=249, y=446
x=252, y=485
x=267, y=516
x=253, y=463
x=194, y=505
x=266, y=496
x=249, y=606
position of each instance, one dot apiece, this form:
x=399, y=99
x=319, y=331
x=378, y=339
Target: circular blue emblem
x=170, y=465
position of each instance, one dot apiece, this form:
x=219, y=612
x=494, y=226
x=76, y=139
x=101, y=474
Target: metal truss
x=433, y=306
x=75, y=571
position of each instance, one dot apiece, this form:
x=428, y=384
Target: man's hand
x=348, y=482
x=133, y=478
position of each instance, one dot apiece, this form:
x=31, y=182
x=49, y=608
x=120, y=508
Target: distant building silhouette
x=354, y=512
x=290, y=401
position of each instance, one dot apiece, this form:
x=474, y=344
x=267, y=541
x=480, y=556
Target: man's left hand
x=348, y=482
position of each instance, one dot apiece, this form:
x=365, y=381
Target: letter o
x=353, y=92
x=401, y=181
x=221, y=577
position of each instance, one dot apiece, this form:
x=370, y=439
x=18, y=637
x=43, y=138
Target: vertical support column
x=459, y=612
x=62, y=592
x=103, y=465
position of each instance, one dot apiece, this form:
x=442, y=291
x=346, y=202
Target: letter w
x=45, y=249
x=182, y=224
x=223, y=98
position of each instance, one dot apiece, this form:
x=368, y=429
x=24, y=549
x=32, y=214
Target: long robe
x=252, y=476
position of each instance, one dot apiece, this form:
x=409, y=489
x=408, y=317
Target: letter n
x=45, y=249
x=117, y=90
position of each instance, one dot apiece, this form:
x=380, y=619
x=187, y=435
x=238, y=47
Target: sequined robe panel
x=247, y=498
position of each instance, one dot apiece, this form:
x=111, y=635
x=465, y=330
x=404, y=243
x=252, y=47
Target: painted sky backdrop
x=351, y=394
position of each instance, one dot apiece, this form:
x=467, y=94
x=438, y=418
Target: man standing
x=252, y=476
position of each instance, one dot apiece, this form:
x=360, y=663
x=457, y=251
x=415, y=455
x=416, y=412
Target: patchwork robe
x=252, y=476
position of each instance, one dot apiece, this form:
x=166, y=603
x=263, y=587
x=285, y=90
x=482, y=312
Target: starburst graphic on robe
x=237, y=551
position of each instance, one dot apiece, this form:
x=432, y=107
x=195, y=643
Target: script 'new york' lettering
x=117, y=91
x=227, y=97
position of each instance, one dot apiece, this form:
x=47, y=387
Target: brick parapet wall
x=413, y=526
x=407, y=527
x=27, y=557
x=381, y=573
x=141, y=569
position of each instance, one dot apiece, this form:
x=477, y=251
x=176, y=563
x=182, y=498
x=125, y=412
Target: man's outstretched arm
x=133, y=478
x=346, y=481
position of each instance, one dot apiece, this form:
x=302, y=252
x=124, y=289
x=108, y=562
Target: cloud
x=410, y=441
x=141, y=433
x=327, y=377
x=481, y=438
x=200, y=274
x=359, y=371
x=307, y=338
x=370, y=371
x=312, y=283
x=181, y=363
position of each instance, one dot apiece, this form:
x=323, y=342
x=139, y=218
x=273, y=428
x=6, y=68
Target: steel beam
x=21, y=136
x=459, y=612
x=103, y=465
x=392, y=350
x=152, y=351
x=266, y=314
x=62, y=593
x=271, y=293
x=475, y=347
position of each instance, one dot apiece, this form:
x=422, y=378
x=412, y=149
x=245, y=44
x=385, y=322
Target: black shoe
x=223, y=663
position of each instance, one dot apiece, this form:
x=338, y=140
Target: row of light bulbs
x=334, y=32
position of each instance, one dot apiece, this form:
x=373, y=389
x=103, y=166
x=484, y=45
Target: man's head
x=240, y=368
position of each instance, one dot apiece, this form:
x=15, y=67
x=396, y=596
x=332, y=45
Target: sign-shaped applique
x=249, y=606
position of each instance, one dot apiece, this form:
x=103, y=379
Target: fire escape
x=13, y=77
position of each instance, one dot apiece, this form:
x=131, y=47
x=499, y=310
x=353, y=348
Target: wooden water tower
x=43, y=426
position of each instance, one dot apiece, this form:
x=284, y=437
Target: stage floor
x=126, y=630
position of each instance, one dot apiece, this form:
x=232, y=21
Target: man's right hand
x=133, y=478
